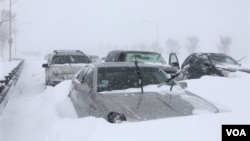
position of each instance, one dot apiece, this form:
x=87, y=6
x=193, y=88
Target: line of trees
x=172, y=45
x=4, y=26
x=224, y=44
x=192, y=45
x=4, y=18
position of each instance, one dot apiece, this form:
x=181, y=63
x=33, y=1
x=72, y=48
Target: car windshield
x=145, y=58
x=119, y=78
x=223, y=60
x=68, y=59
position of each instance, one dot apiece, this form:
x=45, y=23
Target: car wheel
x=114, y=117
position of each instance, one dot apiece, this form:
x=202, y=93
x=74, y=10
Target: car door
x=78, y=80
x=77, y=92
x=205, y=64
x=85, y=88
x=199, y=66
x=173, y=60
x=194, y=70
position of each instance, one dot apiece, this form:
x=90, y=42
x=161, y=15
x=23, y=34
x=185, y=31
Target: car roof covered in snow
x=119, y=64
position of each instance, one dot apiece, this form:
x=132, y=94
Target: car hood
x=233, y=68
x=151, y=105
x=66, y=68
x=167, y=68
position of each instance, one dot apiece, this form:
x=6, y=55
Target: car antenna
x=158, y=57
x=139, y=73
x=241, y=58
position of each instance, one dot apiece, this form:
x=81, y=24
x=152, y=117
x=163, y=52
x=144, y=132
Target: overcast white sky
x=89, y=25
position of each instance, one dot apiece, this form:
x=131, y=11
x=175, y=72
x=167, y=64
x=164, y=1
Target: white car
x=63, y=65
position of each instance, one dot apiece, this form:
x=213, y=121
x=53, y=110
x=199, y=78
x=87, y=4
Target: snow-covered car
x=147, y=57
x=63, y=65
x=123, y=91
x=200, y=64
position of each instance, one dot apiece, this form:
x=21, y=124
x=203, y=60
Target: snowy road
x=28, y=86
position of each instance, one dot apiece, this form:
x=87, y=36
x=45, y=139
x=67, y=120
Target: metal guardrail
x=7, y=83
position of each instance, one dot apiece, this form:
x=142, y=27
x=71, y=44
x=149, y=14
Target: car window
x=204, y=59
x=223, y=60
x=145, y=57
x=111, y=56
x=82, y=74
x=79, y=59
x=88, y=79
x=63, y=59
x=193, y=60
x=121, y=57
x=113, y=78
x=187, y=60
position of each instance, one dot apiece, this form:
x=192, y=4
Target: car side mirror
x=45, y=66
x=207, y=64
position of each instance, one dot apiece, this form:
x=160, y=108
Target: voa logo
x=236, y=132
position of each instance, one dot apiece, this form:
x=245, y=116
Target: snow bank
x=228, y=94
x=50, y=116
x=231, y=95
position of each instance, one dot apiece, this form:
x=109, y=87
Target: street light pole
x=157, y=29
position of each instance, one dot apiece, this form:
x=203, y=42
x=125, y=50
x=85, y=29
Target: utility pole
x=157, y=29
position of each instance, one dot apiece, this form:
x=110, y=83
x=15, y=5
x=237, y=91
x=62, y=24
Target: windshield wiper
x=241, y=59
x=140, y=81
x=158, y=57
x=139, y=74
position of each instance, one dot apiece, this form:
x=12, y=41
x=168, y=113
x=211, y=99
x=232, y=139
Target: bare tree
x=4, y=18
x=224, y=45
x=192, y=44
x=3, y=31
x=172, y=46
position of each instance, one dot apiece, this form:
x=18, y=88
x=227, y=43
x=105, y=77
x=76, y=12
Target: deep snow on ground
x=39, y=113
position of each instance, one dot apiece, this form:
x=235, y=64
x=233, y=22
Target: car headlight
x=114, y=117
x=225, y=73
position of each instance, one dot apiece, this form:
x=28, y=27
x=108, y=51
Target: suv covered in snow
x=197, y=65
x=63, y=65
